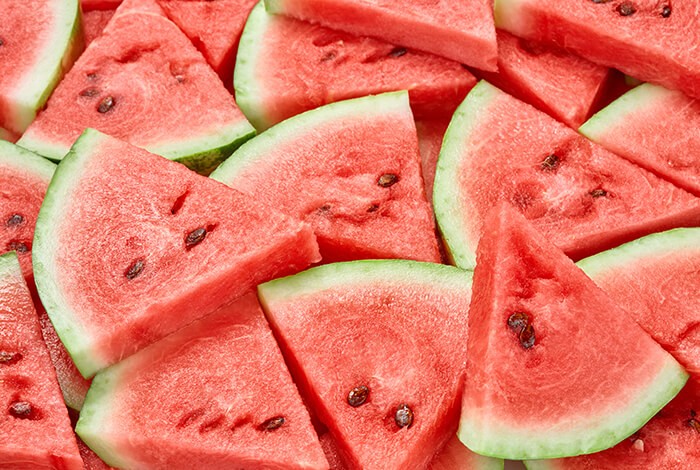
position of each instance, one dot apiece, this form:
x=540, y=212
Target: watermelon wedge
x=555, y=367
x=392, y=397
x=462, y=32
x=34, y=426
x=219, y=405
x=144, y=82
x=358, y=163
x=561, y=84
x=176, y=247
x=655, y=128
x=582, y=197
x=285, y=67
x=620, y=34
x=656, y=278
x=34, y=55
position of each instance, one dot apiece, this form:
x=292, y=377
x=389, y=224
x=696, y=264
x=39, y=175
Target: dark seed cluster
x=18, y=246
x=520, y=323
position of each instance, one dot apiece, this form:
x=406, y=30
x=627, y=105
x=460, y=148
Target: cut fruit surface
x=34, y=425
x=94, y=23
x=430, y=135
x=144, y=82
x=225, y=400
x=583, y=198
x=463, y=32
x=555, y=368
x=358, y=164
x=392, y=397
x=176, y=247
x=655, y=128
x=455, y=456
x=286, y=66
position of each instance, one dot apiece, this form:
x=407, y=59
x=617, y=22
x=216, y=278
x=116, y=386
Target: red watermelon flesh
x=656, y=279
x=89, y=5
x=655, y=128
x=455, y=456
x=582, y=197
x=8, y=136
x=94, y=23
x=214, y=27
x=430, y=135
x=561, y=84
x=287, y=66
x=401, y=328
x=555, y=368
x=652, y=40
x=225, y=400
x=143, y=81
x=175, y=248
x=670, y=441
x=358, y=163
x=90, y=459
x=463, y=32
x=34, y=425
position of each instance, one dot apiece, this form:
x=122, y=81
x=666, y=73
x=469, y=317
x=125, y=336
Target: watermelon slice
x=34, y=425
x=582, y=197
x=454, y=456
x=358, y=162
x=430, y=135
x=176, y=247
x=555, y=367
x=94, y=23
x=287, y=66
x=225, y=400
x=656, y=278
x=563, y=85
x=620, y=34
x=392, y=397
x=656, y=128
x=34, y=55
x=143, y=81
x=463, y=33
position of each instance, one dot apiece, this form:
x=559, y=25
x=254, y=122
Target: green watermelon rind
x=9, y=266
x=64, y=320
x=508, y=15
x=447, y=202
x=57, y=57
x=294, y=128
x=24, y=160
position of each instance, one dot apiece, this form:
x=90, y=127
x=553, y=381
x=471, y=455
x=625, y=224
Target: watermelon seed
x=387, y=180
x=626, y=9
x=666, y=11
x=195, y=237
x=330, y=55
x=602, y=1
x=272, y=424
x=19, y=247
x=527, y=336
x=9, y=358
x=24, y=410
x=373, y=208
x=92, y=76
x=518, y=321
x=598, y=193
x=177, y=205
x=324, y=209
x=398, y=52
x=90, y=92
x=550, y=163
x=358, y=396
x=403, y=416
x=2, y=42
x=106, y=105
x=135, y=269
x=14, y=220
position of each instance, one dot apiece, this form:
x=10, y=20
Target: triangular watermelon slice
x=555, y=368
x=378, y=349
x=143, y=81
x=34, y=425
x=286, y=66
x=358, y=163
x=582, y=197
x=224, y=400
x=175, y=247
x=461, y=31
x=34, y=55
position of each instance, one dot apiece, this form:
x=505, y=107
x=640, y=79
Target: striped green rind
x=53, y=210
x=25, y=161
x=295, y=127
x=585, y=435
x=447, y=201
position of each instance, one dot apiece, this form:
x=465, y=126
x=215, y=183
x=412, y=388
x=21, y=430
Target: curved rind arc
x=25, y=160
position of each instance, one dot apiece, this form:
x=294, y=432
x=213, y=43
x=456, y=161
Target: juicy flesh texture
x=339, y=163
x=148, y=68
x=430, y=135
x=561, y=84
x=161, y=202
x=94, y=23
x=379, y=330
x=503, y=159
x=591, y=369
x=661, y=135
x=461, y=32
x=90, y=459
x=47, y=441
x=89, y=5
x=643, y=45
x=456, y=456
x=302, y=66
x=216, y=382
x=214, y=27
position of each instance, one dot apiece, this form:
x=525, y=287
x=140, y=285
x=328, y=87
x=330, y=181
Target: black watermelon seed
x=403, y=416
x=598, y=193
x=19, y=247
x=666, y=11
x=135, y=269
x=695, y=424
x=330, y=55
x=92, y=76
x=387, y=180
x=106, y=105
x=14, y=220
x=90, y=92
x=601, y=1
x=2, y=42
x=398, y=52
x=626, y=9
x=8, y=358
x=527, y=336
x=358, y=396
x=195, y=237
x=373, y=208
x=518, y=321
x=24, y=410
x=550, y=163
x=324, y=209
x=272, y=424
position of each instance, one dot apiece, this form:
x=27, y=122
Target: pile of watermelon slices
x=349, y=234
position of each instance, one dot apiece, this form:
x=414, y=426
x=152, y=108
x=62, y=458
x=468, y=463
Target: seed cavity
x=596, y=193
x=189, y=418
x=7, y=358
x=211, y=425
x=626, y=9
x=92, y=76
x=135, y=269
x=520, y=323
x=90, y=92
x=272, y=424
x=177, y=205
x=358, y=396
x=550, y=163
x=601, y=1
x=106, y=105
x=403, y=416
x=14, y=220
x=666, y=11
x=24, y=410
x=693, y=422
x=387, y=180
x=373, y=208
x=2, y=42
x=330, y=55
x=398, y=52
x=195, y=237
x=19, y=246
